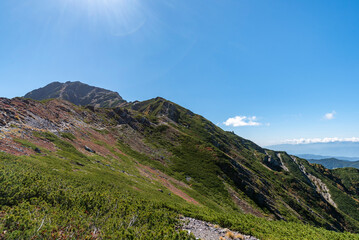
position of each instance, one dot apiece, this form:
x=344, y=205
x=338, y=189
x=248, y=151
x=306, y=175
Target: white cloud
x=240, y=121
x=329, y=116
x=320, y=140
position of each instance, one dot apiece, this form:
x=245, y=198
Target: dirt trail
x=207, y=231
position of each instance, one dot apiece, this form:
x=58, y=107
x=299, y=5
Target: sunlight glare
x=121, y=17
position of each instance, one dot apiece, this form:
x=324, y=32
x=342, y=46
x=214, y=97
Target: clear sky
x=268, y=70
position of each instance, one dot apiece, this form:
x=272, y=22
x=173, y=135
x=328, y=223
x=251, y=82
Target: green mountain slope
x=128, y=172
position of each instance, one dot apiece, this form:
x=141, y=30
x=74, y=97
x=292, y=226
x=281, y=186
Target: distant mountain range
x=78, y=93
x=332, y=163
x=319, y=157
x=341, y=150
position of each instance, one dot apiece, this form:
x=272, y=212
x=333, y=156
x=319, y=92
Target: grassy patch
x=68, y=136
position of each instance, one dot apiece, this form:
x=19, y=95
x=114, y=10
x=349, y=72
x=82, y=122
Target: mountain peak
x=78, y=93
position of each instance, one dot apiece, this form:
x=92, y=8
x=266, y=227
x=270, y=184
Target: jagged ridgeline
x=130, y=171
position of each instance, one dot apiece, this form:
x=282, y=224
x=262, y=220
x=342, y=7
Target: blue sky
x=270, y=70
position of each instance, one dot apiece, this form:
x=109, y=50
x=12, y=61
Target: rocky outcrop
x=169, y=110
x=274, y=162
x=320, y=187
x=279, y=155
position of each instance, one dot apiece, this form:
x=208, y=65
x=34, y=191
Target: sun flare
x=122, y=17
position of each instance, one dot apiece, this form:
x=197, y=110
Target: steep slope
x=274, y=182
x=155, y=150
x=350, y=179
x=77, y=93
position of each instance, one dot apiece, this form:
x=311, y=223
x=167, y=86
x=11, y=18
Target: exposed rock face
x=275, y=162
x=57, y=115
x=282, y=163
x=78, y=93
x=169, y=110
x=320, y=187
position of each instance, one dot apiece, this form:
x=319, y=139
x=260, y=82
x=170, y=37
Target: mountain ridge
x=156, y=146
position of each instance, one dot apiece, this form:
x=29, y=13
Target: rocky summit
x=136, y=170
x=77, y=93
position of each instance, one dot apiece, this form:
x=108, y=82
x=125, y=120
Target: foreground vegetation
x=69, y=195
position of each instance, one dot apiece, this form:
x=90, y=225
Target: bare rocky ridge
x=78, y=93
